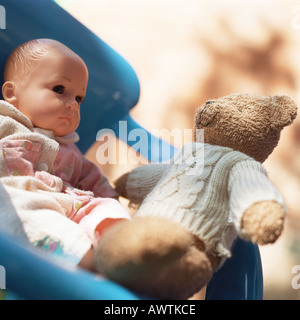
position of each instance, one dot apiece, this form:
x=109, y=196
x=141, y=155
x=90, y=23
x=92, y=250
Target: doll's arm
x=256, y=206
x=20, y=158
x=92, y=179
x=136, y=184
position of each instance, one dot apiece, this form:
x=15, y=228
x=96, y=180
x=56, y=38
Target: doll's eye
x=79, y=99
x=59, y=89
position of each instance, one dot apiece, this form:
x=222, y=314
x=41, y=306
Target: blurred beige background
x=187, y=51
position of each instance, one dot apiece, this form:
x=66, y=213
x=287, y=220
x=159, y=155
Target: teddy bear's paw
x=263, y=222
x=155, y=257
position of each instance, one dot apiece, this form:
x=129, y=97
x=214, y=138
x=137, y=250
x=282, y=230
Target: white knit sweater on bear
x=206, y=189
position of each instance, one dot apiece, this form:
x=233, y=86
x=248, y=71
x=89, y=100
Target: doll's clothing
x=90, y=212
x=89, y=189
x=40, y=177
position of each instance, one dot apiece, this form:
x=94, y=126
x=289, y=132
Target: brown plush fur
x=250, y=124
x=263, y=222
x=158, y=261
x=247, y=123
x=159, y=258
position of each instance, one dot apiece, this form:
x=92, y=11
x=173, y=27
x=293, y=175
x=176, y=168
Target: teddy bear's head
x=247, y=123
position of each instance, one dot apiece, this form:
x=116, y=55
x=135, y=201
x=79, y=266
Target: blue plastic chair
x=113, y=90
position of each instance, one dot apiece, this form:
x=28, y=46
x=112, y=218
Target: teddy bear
x=192, y=209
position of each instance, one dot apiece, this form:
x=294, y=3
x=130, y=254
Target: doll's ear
x=9, y=92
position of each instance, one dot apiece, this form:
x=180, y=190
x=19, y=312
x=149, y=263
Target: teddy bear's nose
x=209, y=101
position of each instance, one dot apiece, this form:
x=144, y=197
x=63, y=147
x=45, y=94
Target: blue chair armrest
x=157, y=149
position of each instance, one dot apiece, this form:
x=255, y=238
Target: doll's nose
x=72, y=105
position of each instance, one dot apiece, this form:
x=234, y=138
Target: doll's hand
x=263, y=221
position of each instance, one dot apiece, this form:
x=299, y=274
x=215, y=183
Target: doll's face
x=51, y=95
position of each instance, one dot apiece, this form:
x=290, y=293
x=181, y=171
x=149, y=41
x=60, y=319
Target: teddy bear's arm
x=257, y=208
x=136, y=184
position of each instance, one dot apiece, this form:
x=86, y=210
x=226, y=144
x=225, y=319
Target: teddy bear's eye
x=209, y=101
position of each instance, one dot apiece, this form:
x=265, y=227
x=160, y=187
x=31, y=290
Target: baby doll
x=41, y=168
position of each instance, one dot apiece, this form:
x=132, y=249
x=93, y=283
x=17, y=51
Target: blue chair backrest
x=113, y=90
x=113, y=86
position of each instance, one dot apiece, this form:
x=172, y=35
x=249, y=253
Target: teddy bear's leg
x=155, y=257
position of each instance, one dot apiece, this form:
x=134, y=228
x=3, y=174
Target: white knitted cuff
x=249, y=184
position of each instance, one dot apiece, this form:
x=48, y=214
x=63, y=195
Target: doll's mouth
x=69, y=118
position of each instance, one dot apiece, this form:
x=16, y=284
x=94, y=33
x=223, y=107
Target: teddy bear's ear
x=284, y=111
